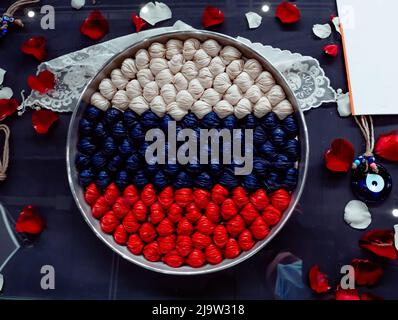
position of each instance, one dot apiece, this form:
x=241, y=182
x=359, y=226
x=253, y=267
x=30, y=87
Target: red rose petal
x=379, y=242
x=387, y=146
x=331, y=50
x=35, y=46
x=348, y=294
x=43, y=82
x=340, y=156
x=29, y=221
x=212, y=16
x=367, y=273
x=7, y=107
x=138, y=22
x=42, y=120
x=95, y=26
x=318, y=280
x=288, y=12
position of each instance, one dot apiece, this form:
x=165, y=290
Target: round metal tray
x=92, y=86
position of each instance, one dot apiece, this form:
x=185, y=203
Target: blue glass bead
x=228, y=179
x=250, y=183
x=119, y=131
x=164, y=121
x=149, y=120
x=112, y=115
x=115, y=163
x=292, y=149
x=160, y=180
x=357, y=162
x=182, y=180
x=371, y=160
x=211, y=120
x=109, y=146
x=267, y=150
x=85, y=127
x=230, y=122
x=203, y=181
x=86, y=146
x=133, y=163
x=261, y=166
x=291, y=177
x=98, y=161
x=139, y=179
x=86, y=177
x=282, y=163
x=82, y=161
x=270, y=121
x=369, y=186
x=249, y=122
x=278, y=137
x=93, y=113
x=103, y=180
x=122, y=180
x=137, y=133
x=259, y=136
x=290, y=126
x=171, y=169
x=129, y=118
x=100, y=131
x=272, y=182
x=189, y=121
x=126, y=147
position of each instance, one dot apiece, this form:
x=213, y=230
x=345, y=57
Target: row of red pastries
x=186, y=226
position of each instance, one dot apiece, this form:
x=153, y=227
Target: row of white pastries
x=179, y=77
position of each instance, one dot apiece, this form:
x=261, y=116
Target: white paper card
x=371, y=46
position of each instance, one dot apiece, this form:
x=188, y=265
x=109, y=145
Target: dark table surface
x=84, y=266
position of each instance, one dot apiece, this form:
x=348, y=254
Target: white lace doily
x=73, y=71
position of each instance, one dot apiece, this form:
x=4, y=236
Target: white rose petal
x=253, y=19
x=322, y=31
x=357, y=215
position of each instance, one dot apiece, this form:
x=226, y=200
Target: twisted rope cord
x=6, y=152
x=17, y=5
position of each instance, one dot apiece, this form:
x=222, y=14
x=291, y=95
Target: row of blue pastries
x=111, y=148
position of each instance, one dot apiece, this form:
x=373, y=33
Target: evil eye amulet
x=369, y=186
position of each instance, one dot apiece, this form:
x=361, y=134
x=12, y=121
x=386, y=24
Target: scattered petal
x=42, y=120
x=155, y=12
x=357, y=215
x=387, y=146
x=7, y=107
x=78, y=4
x=331, y=50
x=379, y=242
x=336, y=23
x=95, y=26
x=36, y=47
x=370, y=296
x=29, y=221
x=6, y=93
x=340, y=156
x=322, y=31
x=212, y=16
x=253, y=19
x=288, y=12
x=347, y=294
x=2, y=75
x=343, y=103
x=318, y=280
x=43, y=82
x=367, y=272
x=138, y=22
x=396, y=236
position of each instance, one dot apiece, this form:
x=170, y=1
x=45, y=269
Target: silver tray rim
x=77, y=191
